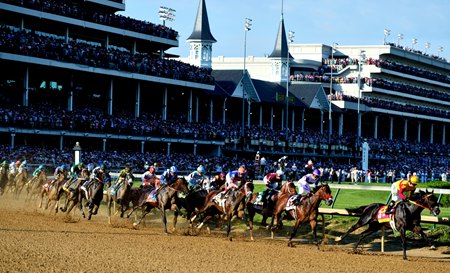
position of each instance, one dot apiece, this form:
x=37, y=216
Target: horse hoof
x=433, y=248
x=135, y=224
x=338, y=239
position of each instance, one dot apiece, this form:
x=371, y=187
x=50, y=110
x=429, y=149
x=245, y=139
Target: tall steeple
x=201, y=39
x=279, y=56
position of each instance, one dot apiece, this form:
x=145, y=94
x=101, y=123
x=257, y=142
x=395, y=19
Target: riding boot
x=390, y=207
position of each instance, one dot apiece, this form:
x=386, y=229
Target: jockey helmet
x=316, y=172
x=241, y=170
x=173, y=169
x=222, y=174
x=310, y=163
x=62, y=167
x=201, y=169
x=24, y=162
x=102, y=166
x=5, y=162
x=18, y=162
x=151, y=169
x=414, y=180
x=127, y=169
x=279, y=173
x=41, y=167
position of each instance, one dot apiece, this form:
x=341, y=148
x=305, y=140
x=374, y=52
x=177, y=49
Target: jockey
x=75, y=172
x=60, y=170
x=148, y=175
x=5, y=164
x=23, y=169
x=273, y=183
x=13, y=167
x=304, y=184
x=38, y=170
x=218, y=181
x=309, y=167
x=169, y=176
x=95, y=174
x=233, y=178
x=122, y=176
x=399, y=188
x=196, y=178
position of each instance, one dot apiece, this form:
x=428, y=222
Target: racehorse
x=19, y=181
x=286, y=191
x=53, y=190
x=72, y=194
x=196, y=200
x=95, y=193
x=307, y=211
x=236, y=202
x=167, y=198
x=3, y=178
x=405, y=217
x=35, y=184
x=120, y=196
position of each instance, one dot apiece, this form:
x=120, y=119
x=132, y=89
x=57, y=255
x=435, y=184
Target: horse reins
x=419, y=205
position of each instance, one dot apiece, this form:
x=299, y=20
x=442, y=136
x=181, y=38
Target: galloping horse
x=20, y=180
x=121, y=196
x=307, y=211
x=35, y=184
x=72, y=195
x=95, y=192
x=167, y=198
x=237, y=202
x=287, y=190
x=405, y=217
x=3, y=178
x=53, y=190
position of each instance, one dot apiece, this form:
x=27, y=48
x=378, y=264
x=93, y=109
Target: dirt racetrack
x=33, y=240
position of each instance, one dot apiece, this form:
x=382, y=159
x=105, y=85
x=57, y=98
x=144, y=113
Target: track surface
x=33, y=240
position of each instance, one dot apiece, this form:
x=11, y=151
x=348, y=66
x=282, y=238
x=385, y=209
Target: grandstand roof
x=311, y=94
x=201, y=28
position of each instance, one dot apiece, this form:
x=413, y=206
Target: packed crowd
x=55, y=48
x=414, y=50
x=80, y=11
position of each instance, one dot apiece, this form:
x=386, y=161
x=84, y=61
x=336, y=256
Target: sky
x=346, y=22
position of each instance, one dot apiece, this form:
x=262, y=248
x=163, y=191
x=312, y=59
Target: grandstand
x=78, y=72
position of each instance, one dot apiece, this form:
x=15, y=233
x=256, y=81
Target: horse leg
x=313, y=224
x=403, y=238
x=418, y=230
x=175, y=218
x=164, y=219
x=373, y=226
x=294, y=232
x=144, y=211
x=80, y=207
x=109, y=210
x=358, y=224
x=229, y=216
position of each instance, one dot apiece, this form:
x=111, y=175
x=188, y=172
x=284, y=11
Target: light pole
x=387, y=32
x=399, y=38
x=288, y=74
x=427, y=46
x=413, y=42
x=247, y=25
x=166, y=14
x=440, y=50
x=362, y=57
x=330, y=124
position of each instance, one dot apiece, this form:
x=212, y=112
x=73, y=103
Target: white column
x=341, y=124
x=133, y=50
x=248, y=114
x=196, y=109
x=168, y=149
x=271, y=117
x=211, y=108
x=137, y=107
x=303, y=120
x=375, y=127
x=293, y=120
x=110, y=97
x=189, y=117
x=260, y=116
x=70, y=95
x=405, y=130
x=107, y=41
x=26, y=78
x=61, y=142
x=104, y=145
x=432, y=133
x=164, y=113
x=66, y=38
x=419, y=131
x=195, y=149
x=391, y=128
x=321, y=121
x=282, y=118
x=12, y=140
x=142, y=146
x=444, y=127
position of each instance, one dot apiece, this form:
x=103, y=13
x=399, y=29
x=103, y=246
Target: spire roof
x=281, y=46
x=201, y=28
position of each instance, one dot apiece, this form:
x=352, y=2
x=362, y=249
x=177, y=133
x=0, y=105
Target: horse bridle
x=420, y=205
